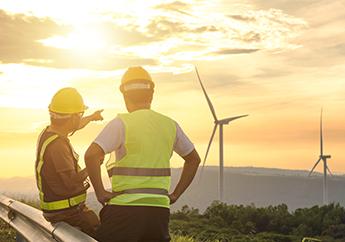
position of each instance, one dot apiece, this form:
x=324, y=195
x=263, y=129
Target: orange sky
x=278, y=61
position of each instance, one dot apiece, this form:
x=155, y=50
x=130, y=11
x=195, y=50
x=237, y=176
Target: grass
x=181, y=239
x=7, y=234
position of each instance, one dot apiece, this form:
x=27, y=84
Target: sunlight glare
x=84, y=40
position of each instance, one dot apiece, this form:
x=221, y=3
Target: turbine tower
x=217, y=122
x=325, y=166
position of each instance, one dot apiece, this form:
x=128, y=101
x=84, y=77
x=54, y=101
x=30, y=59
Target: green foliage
x=175, y=238
x=335, y=231
x=6, y=232
x=222, y=222
x=237, y=223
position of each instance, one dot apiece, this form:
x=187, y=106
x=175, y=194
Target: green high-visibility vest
x=59, y=204
x=142, y=176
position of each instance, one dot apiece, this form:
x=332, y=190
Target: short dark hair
x=139, y=96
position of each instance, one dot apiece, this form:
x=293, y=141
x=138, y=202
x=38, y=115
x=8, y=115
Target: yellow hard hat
x=67, y=101
x=136, y=78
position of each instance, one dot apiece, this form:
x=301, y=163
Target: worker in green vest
x=137, y=208
x=61, y=182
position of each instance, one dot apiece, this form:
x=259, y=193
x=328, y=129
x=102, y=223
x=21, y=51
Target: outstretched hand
x=97, y=116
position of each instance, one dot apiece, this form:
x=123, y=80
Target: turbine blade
x=321, y=135
x=227, y=120
x=329, y=171
x=208, y=149
x=207, y=98
x=314, y=166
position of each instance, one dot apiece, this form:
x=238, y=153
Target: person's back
x=53, y=187
x=149, y=143
x=143, y=140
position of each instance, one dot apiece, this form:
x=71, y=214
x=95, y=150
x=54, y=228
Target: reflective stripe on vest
x=142, y=176
x=133, y=171
x=62, y=204
x=55, y=205
x=142, y=190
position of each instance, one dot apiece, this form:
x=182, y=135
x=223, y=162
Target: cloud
x=165, y=36
x=242, y=18
x=207, y=35
x=250, y=37
x=127, y=35
x=20, y=33
x=106, y=63
x=288, y=6
x=176, y=6
x=323, y=40
x=271, y=73
x=162, y=28
x=235, y=51
x=173, y=5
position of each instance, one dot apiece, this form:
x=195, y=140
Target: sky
x=278, y=61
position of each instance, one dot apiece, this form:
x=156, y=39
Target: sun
x=83, y=40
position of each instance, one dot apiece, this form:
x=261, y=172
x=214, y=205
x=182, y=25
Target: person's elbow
x=88, y=157
x=197, y=159
x=193, y=158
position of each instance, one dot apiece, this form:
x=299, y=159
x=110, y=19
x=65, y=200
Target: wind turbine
x=325, y=166
x=217, y=122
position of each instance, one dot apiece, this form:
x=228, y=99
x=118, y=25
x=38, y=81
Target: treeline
x=224, y=222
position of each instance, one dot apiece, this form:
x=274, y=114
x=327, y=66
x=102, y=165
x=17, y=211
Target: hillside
x=243, y=185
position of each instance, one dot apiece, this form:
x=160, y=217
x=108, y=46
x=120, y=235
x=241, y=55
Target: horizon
x=315, y=173
x=280, y=62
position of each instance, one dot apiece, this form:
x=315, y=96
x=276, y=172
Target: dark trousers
x=80, y=217
x=133, y=224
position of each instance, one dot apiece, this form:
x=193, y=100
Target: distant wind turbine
x=217, y=122
x=325, y=166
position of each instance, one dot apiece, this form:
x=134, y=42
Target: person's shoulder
x=53, y=138
x=58, y=145
x=116, y=119
x=164, y=116
x=115, y=122
x=59, y=141
x=114, y=125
